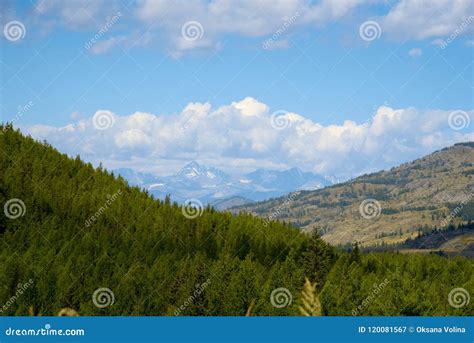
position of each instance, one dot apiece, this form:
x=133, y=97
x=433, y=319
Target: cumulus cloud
x=242, y=137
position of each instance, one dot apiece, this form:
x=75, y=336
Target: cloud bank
x=161, y=22
x=246, y=135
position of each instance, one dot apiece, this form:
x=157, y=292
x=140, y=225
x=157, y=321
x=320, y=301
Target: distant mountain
x=198, y=173
x=293, y=179
x=212, y=186
x=386, y=207
x=135, y=178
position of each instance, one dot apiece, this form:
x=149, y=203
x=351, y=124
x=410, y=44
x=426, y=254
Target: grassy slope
x=412, y=195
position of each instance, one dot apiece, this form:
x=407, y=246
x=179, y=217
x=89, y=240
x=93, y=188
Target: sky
x=335, y=87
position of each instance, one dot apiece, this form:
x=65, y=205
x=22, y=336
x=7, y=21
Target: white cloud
x=421, y=19
x=276, y=44
x=164, y=19
x=247, y=18
x=75, y=14
x=250, y=107
x=438, y=42
x=161, y=21
x=241, y=135
x=105, y=45
x=415, y=52
x=133, y=138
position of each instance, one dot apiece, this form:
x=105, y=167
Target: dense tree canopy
x=82, y=229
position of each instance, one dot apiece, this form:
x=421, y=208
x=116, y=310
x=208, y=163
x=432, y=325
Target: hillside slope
x=388, y=206
x=73, y=230
x=74, y=236
x=452, y=241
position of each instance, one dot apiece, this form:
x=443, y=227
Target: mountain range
x=77, y=238
x=212, y=186
x=387, y=207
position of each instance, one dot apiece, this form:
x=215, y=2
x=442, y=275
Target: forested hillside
x=69, y=231
x=452, y=241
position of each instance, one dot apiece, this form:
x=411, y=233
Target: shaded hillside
x=230, y=202
x=388, y=206
x=453, y=241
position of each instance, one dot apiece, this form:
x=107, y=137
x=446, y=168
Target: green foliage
x=86, y=229
x=397, y=285
x=146, y=251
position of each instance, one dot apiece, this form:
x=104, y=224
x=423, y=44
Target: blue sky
x=307, y=58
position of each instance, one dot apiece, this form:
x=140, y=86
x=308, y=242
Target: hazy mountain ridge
x=418, y=194
x=212, y=186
